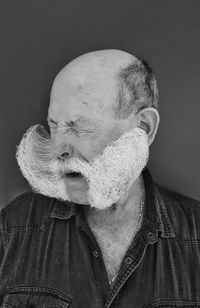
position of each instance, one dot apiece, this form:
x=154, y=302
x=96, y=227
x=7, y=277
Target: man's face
x=83, y=128
x=82, y=121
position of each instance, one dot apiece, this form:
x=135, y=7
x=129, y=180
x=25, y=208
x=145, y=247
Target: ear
x=149, y=119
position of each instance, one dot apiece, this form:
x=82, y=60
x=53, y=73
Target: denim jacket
x=50, y=258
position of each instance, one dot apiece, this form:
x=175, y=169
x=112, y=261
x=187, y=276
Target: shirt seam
x=25, y=228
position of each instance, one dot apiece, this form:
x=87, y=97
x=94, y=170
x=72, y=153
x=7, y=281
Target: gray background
x=39, y=37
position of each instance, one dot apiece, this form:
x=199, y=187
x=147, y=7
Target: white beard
x=109, y=176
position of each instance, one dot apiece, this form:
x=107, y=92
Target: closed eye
x=88, y=130
x=84, y=130
x=52, y=124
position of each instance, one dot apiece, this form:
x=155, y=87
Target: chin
x=79, y=201
x=78, y=197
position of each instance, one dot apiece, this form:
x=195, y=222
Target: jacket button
x=95, y=253
x=128, y=260
x=151, y=237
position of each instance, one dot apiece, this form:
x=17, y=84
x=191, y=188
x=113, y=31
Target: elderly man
x=97, y=231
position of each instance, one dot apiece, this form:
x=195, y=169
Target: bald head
x=112, y=80
x=96, y=64
x=91, y=79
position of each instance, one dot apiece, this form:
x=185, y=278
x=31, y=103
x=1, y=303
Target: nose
x=63, y=156
x=65, y=152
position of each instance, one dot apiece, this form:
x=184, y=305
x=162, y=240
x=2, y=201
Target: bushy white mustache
x=34, y=156
x=109, y=175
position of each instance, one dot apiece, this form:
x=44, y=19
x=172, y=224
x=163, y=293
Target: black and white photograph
x=100, y=154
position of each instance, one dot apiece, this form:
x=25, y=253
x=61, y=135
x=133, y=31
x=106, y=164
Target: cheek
x=97, y=144
x=90, y=146
x=52, y=132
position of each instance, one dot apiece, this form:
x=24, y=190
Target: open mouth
x=74, y=175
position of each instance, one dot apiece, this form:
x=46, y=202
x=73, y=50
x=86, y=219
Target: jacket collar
x=155, y=216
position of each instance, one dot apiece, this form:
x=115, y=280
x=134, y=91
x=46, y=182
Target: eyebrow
x=69, y=123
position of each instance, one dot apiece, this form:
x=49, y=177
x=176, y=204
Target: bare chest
x=113, y=245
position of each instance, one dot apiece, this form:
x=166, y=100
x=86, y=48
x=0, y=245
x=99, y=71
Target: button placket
x=151, y=238
x=127, y=273
x=128, y=260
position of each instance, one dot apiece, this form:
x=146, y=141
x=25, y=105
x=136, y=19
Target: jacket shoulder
x=183, y=212
x=29, y=210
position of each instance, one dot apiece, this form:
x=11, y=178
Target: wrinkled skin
x=82, y=125
x=109, y=176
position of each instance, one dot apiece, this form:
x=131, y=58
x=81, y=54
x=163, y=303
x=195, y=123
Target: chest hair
x=113, y=242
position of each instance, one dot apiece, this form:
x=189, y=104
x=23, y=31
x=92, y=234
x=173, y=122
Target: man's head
x=96, y=100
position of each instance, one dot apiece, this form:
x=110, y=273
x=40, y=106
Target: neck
x=124, y=211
